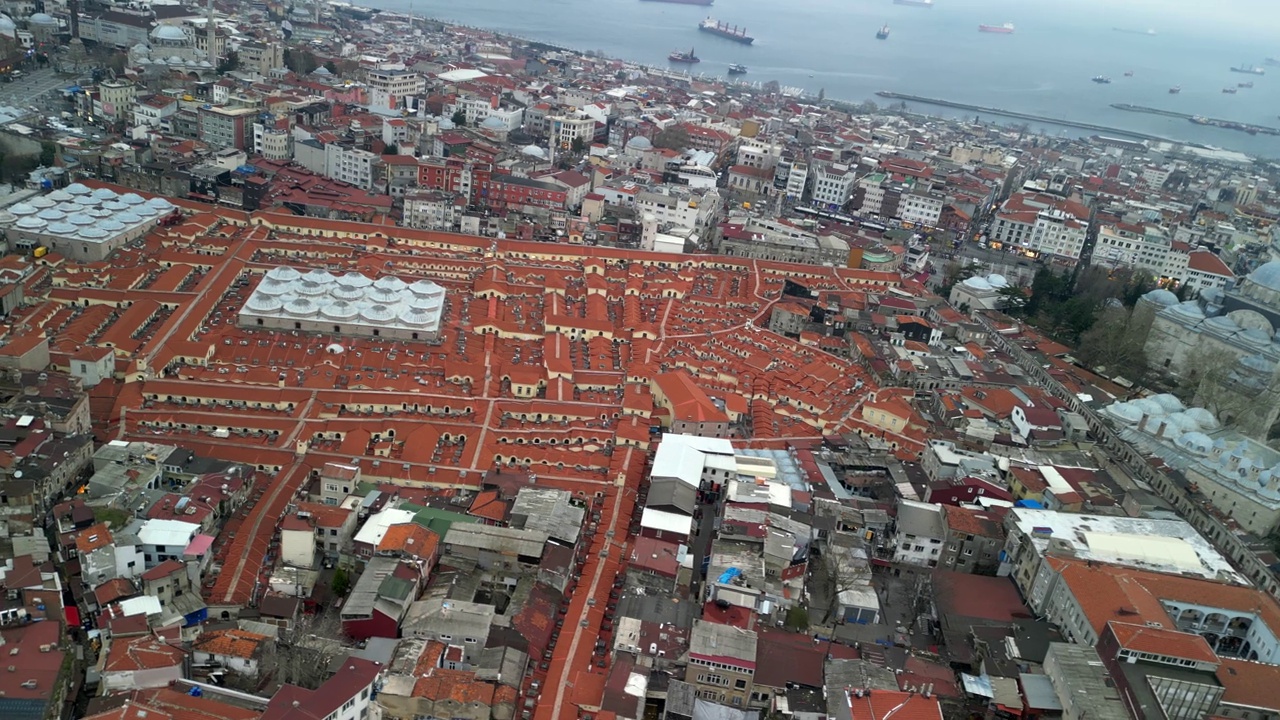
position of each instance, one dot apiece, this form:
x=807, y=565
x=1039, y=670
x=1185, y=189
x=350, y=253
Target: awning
x=72, y=614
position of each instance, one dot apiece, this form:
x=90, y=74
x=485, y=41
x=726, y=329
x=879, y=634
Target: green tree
x=300, y=61
x=577, y=146
x=391, y=149
x=459, y=118
x=328, y=65
x=1013, y=298
x=822, y=94
x=673, y=138
x=229, y=63
x=48, y=153
x=1114, y=345
x=798, y=619
x=341, y=582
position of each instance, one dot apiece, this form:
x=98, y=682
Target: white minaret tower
x=648, y=232
x=212, y=30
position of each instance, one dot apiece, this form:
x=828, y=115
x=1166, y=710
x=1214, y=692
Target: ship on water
x=1249, y=69
x=1175, y=89
x=1129, y=31
x=684, y=2
x=724, y=30
x=1272, y=61
x=914, y=3
x=1229, y=90
x=1102, y=79
x=737, y=69
x=680, y=56
x=1004, y=29
x=883, y=32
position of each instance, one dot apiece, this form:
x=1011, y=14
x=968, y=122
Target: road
x=34, y=89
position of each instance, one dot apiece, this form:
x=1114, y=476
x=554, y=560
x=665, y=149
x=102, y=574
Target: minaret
x=76, y=54
x=212, y=30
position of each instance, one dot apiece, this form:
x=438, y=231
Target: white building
x=353, y=166
x=272, y=143
x=921, y=532
x=1042, y=224
x=153, y=111
x=671, y=206
x=433, y=210
x=833, y=185
x=161, y=540
x=394, y=80
x=920, y=208
x=1151, y=250
x=567, y=128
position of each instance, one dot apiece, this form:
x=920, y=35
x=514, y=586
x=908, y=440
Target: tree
x=304, y=651
x=391, y=149
x=341, y=582
x=328, y=65
x=48, y=153
x=1114, y=345
x=229, y=63
x=459, y=118
x=300, y=61
x=838, y=571
x=1013, y=298
x=798, y=619
x=673, y=138
x=1211, y=382
x=577, y=146
x=822, y=94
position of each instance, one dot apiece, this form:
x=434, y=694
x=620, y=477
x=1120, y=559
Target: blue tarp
x=728, y=575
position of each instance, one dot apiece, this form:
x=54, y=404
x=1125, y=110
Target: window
x=446, y=638
x=740, y=684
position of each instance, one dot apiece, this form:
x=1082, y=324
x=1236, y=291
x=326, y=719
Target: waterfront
x=937, y=52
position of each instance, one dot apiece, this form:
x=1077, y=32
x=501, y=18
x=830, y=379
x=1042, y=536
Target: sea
x=1044, y=68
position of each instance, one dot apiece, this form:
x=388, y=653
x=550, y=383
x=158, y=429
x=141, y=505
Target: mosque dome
x=997, y=281
x=1267, y=275
x=1196, y=442
x=1125, y=412
x=168, y=33
x=977, y=283
x=1203, y=418
x=41, y=19
x=492, y=123
x=639, y=142
x=1161, y=298
x=7, y=27
x=533, y=151
x=1168, y=402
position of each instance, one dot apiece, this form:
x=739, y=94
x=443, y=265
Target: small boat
x=1229, y=90
x=1244, y=85
x=883, y=32
x=680, y=56
x=1102, y=79
x=737, y=69
x=1004, y=29
x=1175, y=89
x=1128, y=73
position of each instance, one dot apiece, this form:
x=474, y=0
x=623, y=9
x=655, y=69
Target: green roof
x=395, y=588
x=435, y=519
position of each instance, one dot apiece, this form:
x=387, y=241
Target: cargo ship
x=737, y=69
x=681, y=56
x=684, y=2
x=883, y=32
x=1175, y=89
x=732, y=32
x=1229, y=90
x=1004, y=29
x=1130, y=31
x=914, y=3
x=1245, y=85
x=1249, y=69
x=1102, y=79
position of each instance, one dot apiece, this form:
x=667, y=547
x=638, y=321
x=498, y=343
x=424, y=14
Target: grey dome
x=1267, y=275
x=1168, y=402
x=7, y=28
x=77, y=189
x=492, y=123
x=41, y=19
x=168, y=32
x=533, y=151
x=1196, y=442
x=639, y=142
x=978, y=283
x=997, y=281
x=1125, y=412
x=1189, y=309
x=1203, y=418
x=1161, y=297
